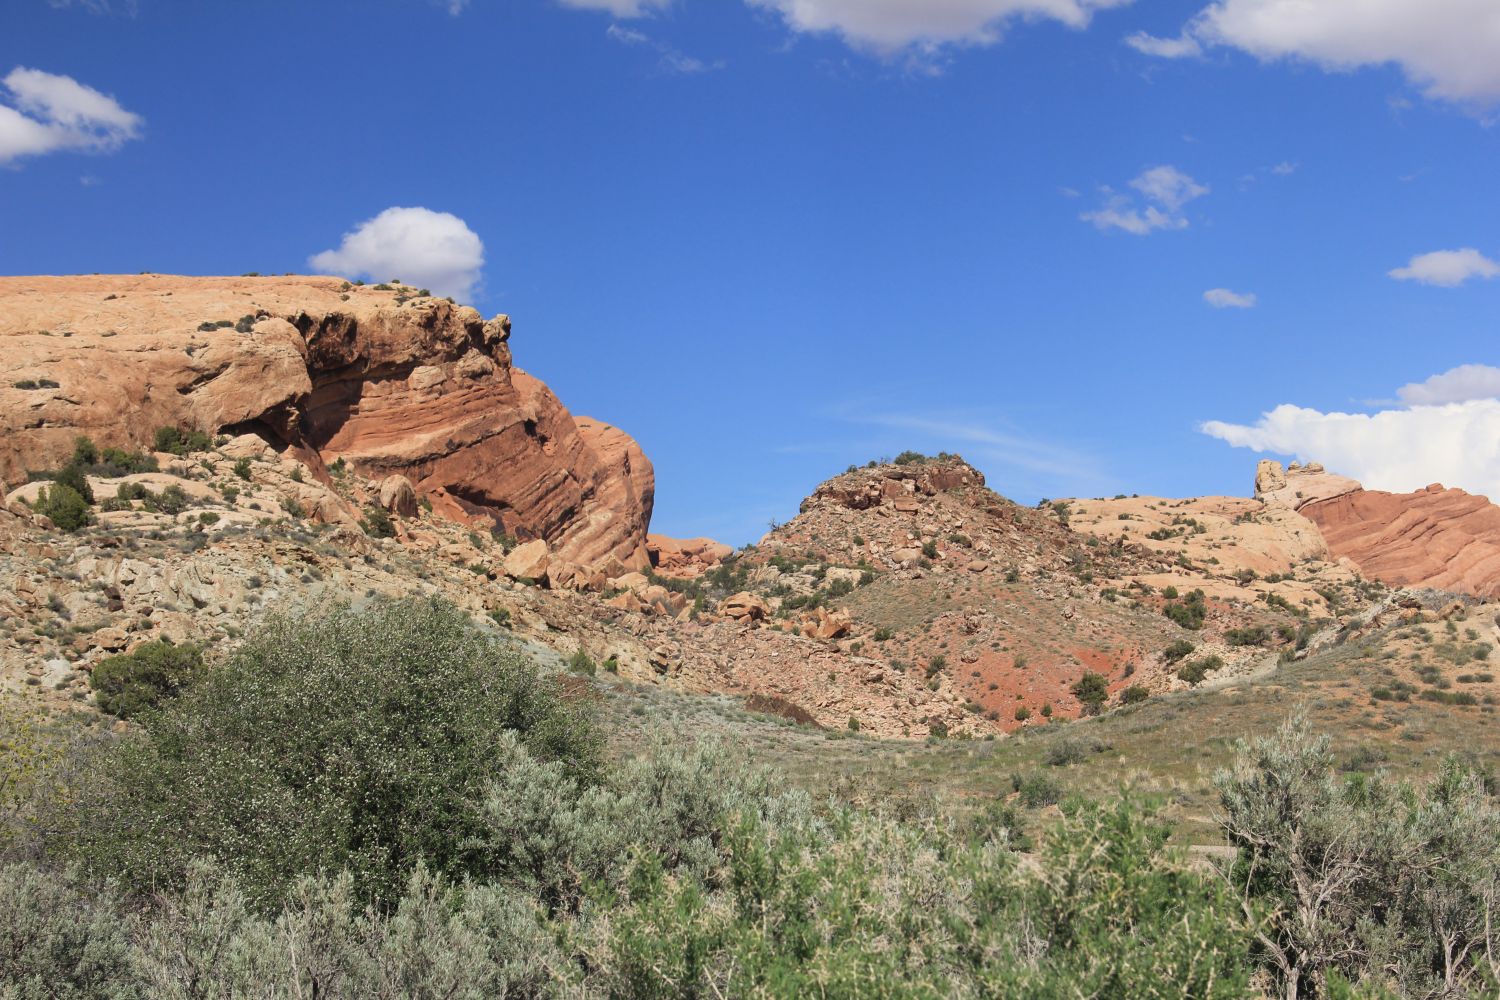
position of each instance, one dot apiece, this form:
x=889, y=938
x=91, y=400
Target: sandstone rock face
x=1441, y=538
x=392, y=382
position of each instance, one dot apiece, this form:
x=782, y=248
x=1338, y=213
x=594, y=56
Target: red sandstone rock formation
x=392, y=382
x=1441, y=538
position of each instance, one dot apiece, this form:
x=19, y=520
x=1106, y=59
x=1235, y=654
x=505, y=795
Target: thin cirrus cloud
x=435, y=250
x=1447, y=268
x=1161, y=194
x=1445, y=429
x=44, y=113
x=669, y=59
x=1449, y=49
x=1223, y=298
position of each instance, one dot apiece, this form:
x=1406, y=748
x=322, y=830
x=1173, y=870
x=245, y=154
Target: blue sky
x=770, y=238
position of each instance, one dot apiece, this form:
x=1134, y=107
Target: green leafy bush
x=1194, y=671
x=181, y=442
x=345, y=739
x=377, y=523
x=1177, y=650
x=146, y=677
x=65, y=507
x=1092, y=690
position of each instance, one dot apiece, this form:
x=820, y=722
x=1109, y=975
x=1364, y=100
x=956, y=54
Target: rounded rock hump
x=393, y=381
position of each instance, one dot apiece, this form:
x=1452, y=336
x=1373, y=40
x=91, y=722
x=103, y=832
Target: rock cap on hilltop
x=1298, y=485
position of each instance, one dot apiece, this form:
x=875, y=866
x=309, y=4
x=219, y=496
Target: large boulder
x=398, y=497
x=529, y=562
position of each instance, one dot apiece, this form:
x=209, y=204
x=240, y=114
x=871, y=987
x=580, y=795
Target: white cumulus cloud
x=435, y=250
x=1448, y=432
x=1456, y=385
x=888, y=26
x=1450, y=49
x=46, y=112
x=1447, y=268
x=1223, y=298
x=1163, y=192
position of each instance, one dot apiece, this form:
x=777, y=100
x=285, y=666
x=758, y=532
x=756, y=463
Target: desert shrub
x=377, y=523
x=1022, y=713
x=1387, y=886
x=65, y=507
x=118, y=462
x=1092, y=690
x=60, y=941
x=73, y=476
x=179, y=441
x=242, y=468
x=1177, y=650
x=910, y=458
x=582, y=663
x=1190, y=612
x=1250, y=635
x=144, y=678
x=1194, y=671
x=85, y=452
x=335, y=740
x=172, y=500
x=1133, y=695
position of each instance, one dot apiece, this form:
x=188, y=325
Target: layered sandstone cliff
x=1446, y=539
x=387, y=379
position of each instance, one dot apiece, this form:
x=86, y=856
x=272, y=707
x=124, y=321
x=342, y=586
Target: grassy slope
x=1170, y=745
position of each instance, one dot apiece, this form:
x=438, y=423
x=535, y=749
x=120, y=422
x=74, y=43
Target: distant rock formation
x=1446, y=539
x=390, y=380
x=1298, y=485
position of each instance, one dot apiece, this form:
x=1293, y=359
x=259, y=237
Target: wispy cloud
x=1223, y=298
x=1015, y=460
x=670, y=60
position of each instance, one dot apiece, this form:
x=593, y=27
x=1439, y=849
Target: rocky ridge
x=389, y=379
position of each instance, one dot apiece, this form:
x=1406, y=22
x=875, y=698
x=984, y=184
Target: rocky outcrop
x=1299, y=485
x=393, y=382
x=1445, y=539
x=685, y=558
x=899, y=483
